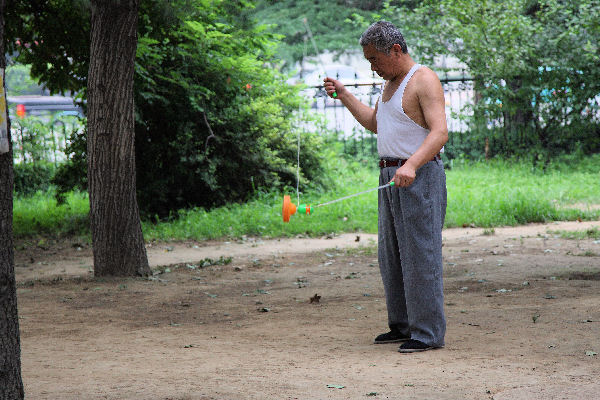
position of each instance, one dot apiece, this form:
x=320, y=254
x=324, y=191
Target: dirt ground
x=523, y=312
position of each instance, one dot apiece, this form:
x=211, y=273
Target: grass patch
x=500, y=193
x=592, y=233
x=39, y=214
x=491, y=194
x=497, y=193
x=262, y=216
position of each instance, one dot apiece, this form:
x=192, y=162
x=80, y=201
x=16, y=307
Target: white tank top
x=398, y=136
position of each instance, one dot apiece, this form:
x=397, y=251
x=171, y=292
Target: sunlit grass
x=262, y=216
x=504, y=193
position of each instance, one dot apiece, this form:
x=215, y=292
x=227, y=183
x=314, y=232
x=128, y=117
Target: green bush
x=72, y=174
x=215, y=121
x=31, y=178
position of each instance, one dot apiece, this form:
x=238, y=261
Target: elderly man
x=410, y=122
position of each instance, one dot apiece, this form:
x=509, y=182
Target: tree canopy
x=52, y=36
x=329, y=21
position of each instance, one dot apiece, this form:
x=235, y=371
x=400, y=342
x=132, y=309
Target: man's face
x=383, y=64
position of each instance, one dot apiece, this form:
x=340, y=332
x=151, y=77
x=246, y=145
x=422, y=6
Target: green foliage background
x=19, y=82
x=31, y=178
x=201, y=65
x=213, y=63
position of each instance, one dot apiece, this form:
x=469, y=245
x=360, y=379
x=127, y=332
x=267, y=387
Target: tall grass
x=485, y=194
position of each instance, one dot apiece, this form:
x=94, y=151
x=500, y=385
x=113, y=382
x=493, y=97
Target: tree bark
x=117, y=238
x=11, y=383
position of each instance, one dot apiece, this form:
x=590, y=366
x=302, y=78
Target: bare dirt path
x=523, y=311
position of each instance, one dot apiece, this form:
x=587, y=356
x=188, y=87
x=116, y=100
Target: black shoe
x=392, y=336
x=414, y=346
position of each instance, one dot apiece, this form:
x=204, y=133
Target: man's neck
x=404, y=66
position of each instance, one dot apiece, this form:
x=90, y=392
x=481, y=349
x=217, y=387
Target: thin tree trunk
x=11, y=383
x=117, y=238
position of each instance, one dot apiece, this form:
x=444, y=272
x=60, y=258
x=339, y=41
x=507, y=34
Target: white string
x=312, y=39
x=298, y=169
x=353, y=195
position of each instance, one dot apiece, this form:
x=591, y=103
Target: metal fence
x=42, y=139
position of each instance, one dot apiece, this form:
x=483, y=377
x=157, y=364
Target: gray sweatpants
x=410, y=252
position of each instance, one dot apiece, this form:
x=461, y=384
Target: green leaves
x=210, y=75
x=331, y=23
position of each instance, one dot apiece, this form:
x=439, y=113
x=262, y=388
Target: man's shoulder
x=427, y=82
x=426, y=75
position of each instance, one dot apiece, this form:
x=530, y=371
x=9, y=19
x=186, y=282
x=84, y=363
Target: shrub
x=215, y=121
x=31, y=178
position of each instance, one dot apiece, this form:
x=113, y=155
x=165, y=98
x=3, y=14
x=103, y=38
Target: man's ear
x=396, y=49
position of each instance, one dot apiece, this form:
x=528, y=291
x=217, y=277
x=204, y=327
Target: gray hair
x=383, y=35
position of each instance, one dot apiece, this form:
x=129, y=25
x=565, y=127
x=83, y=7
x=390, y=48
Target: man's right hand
x=333, y=86
x=364, y=114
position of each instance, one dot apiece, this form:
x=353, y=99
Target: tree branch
x=212, y=134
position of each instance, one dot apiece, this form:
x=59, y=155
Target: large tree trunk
x=11, y=383
x=117, y=237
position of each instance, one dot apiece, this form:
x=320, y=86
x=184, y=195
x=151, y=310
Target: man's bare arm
x=433, y=105
x=364, y=114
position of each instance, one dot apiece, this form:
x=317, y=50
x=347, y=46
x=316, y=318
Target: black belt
x=398, y=162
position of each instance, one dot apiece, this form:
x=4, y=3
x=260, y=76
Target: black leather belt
x=391, y=163
x=398, y=162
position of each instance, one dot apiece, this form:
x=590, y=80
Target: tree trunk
x=11, y=383
x=117, y=238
